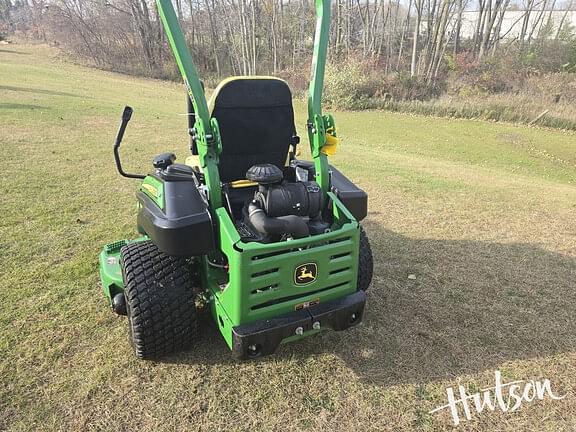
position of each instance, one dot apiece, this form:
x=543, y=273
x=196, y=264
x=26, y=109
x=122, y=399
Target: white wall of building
x=512, y=23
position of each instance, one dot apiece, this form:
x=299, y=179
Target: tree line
x=233, y=37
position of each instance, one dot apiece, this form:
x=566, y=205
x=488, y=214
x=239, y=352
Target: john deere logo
x=305, y=274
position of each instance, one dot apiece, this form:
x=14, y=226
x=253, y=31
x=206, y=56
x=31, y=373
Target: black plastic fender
x=184, y=227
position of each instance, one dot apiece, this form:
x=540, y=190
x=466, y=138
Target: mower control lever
x=126, y=115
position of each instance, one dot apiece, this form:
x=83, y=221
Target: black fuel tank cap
x=163, y=160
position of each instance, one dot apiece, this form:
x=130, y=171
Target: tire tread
x=365, y=262
x=160, y=300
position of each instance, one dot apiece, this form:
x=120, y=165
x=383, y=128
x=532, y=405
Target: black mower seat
x=256, y=122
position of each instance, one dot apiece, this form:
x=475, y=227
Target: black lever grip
x=126, y=116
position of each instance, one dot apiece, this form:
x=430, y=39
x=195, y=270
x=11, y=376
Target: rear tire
x=365, y=262
x=160, y=300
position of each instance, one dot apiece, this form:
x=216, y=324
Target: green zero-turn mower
x=271, y=244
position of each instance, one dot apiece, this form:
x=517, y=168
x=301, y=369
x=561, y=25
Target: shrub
x=555, y=87
x=471, y=77
x=350, y=86
x=360, y=85
x=297, y=77
x=402, y=86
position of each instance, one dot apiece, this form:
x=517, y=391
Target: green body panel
x=154, y=189
x=260, y=281
x=110, y=270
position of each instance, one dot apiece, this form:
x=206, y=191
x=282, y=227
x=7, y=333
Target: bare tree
x=419, y=5
x=269, y=36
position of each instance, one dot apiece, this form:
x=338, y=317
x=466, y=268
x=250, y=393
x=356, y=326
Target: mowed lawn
x=481, y=216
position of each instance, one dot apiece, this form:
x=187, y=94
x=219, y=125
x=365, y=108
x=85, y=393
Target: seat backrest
x=256, y=121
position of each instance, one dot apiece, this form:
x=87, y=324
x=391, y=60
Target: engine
x=280, y=209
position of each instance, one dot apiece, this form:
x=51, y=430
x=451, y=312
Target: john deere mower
x=271, y=244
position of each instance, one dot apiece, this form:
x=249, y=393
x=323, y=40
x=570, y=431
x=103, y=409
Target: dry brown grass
x=482, y=214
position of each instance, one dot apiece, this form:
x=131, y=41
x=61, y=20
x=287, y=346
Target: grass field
x=482, y=214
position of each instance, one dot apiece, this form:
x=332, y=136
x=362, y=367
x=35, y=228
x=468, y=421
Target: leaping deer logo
x=305, y=274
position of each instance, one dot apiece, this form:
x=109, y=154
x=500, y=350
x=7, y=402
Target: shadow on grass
x=7, y=51
x=211, y=349
x=36, y=90
x=17, y=106
x=469, y=306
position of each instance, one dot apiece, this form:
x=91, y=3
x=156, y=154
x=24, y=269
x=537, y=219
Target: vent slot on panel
x=340, y=240
x=265, y=289
x=340, y=270
x=297, y=296
x=340, y=255
x=264, y=272
x=303, y=248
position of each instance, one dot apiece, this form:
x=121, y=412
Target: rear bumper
x=263, y=337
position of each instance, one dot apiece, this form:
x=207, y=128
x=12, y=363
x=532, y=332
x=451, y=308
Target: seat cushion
x=256, y=122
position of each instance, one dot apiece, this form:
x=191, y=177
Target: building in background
x=514, y=20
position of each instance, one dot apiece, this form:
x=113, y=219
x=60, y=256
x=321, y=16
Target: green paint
x=154, y=189
x=316, y=122
x=251, y=270
x=110, y=270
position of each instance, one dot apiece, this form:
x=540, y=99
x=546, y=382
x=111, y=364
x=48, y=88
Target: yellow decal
x=150, y=189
